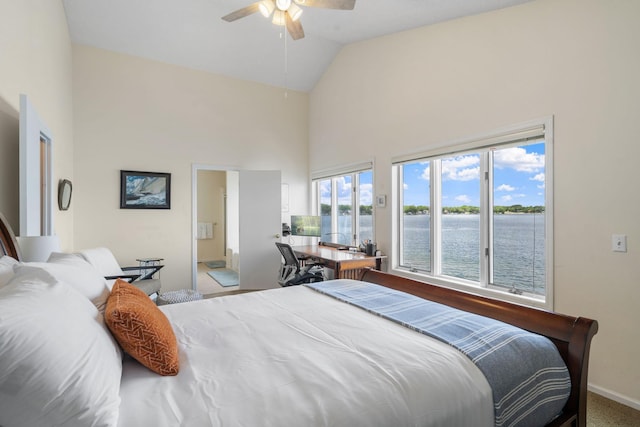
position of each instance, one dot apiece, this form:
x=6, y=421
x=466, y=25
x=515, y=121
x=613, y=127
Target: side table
x=145, y=263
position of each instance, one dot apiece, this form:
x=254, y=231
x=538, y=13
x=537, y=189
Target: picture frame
x=145, y=190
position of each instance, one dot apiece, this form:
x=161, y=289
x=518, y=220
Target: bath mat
x=216, y=264
x=224, y=277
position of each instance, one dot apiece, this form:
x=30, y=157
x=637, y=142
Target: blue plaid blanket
x=529, y=379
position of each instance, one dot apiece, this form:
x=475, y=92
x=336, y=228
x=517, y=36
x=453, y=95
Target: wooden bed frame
x=572, y=335
x=8, y=243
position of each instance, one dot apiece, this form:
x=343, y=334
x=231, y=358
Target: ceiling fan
x=287, y=12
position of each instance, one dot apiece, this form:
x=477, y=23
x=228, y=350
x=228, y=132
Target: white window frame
x=510, y=136
x=354, y=170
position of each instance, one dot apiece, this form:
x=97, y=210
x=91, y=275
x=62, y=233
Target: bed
x=284, y=357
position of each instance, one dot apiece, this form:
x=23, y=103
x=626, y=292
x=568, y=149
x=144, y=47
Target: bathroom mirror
x=64, y=194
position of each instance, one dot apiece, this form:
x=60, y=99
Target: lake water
x=518, y=247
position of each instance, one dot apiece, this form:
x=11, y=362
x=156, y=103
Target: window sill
x=525, y=299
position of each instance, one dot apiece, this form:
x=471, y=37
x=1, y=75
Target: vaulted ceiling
x=191, y=33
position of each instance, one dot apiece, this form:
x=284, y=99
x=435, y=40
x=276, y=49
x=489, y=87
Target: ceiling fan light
x=278, y=18
x=266, y=7
x=300, y=1
x=283, y=4
x=294, y=12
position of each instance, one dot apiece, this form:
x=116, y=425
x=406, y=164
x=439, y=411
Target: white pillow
x=76, y=272
x=58, y=364
x=6, y=269
x=67, y=258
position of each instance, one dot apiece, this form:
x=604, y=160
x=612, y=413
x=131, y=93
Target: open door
x=260, y=228
x=252, y=225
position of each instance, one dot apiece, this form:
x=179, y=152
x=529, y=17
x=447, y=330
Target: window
x=479, y=214
x=344, y=200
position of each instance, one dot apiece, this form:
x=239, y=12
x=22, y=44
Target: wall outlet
x=619, y=243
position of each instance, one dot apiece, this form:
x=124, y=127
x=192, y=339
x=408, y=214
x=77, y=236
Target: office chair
x=291, y=273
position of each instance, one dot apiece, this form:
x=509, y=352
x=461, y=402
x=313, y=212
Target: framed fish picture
x=145, y=190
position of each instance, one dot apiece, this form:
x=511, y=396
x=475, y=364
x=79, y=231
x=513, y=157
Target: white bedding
x=293, y=357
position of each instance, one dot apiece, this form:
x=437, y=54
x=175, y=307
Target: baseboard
x=624, y=400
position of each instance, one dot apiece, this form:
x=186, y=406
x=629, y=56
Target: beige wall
x=35, y=59
x=137, y=114
x=9, y=159
x=575, y=59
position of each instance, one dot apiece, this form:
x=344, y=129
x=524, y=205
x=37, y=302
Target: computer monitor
x=305, y=225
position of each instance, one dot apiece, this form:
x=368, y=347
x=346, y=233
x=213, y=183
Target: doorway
x=211, y=232
x=248, y=204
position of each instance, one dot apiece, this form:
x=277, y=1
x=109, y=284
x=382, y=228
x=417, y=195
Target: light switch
x=619, y=243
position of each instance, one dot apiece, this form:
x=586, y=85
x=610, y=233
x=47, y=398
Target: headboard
x=8, y=244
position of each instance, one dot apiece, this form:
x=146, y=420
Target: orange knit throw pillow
x=142, y=329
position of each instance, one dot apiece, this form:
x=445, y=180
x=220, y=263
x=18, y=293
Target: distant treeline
x=345, y=209
x=422, y=210
x=465, y=209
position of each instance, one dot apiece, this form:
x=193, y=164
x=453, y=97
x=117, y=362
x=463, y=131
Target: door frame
x=195, y=167
x=248, y=280
x=36, y=172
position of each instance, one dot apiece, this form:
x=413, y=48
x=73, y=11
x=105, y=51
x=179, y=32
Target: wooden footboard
x=571, y=335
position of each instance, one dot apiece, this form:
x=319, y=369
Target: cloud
x=344, y=190
x=405, y=186
x=509, y=198
x=325, y=189
x=538, y=177
x=366, y=194
x=518, y=159
x=463, y=198
x=505, y=187
x=425, y=174
x=461, y=168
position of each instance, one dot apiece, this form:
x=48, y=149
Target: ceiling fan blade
x=294, y=27
x=241, y=13
x=329, y=4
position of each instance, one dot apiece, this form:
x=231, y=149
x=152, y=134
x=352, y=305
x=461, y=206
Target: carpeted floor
x=603, y=412
x=227, y=293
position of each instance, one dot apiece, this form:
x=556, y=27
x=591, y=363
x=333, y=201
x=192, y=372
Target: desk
x=347, y=265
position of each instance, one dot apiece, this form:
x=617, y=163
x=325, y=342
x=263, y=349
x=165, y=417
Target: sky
x=519, y=174
x=344, y=185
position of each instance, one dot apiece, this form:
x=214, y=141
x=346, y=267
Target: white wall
x=575, y=59
x=35, y=59
x=136, y=114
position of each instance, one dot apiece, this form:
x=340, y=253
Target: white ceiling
x=190, y=33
